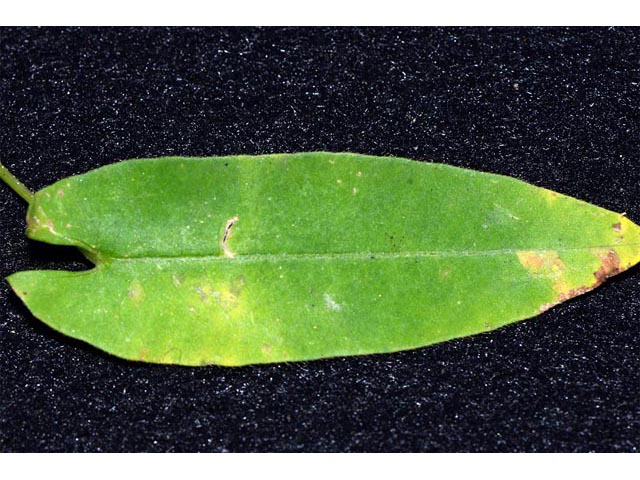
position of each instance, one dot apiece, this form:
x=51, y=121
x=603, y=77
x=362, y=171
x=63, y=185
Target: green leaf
x=240, y=260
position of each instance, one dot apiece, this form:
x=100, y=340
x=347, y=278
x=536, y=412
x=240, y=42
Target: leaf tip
x=626, y=242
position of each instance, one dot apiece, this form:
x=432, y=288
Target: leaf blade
x=344, y=277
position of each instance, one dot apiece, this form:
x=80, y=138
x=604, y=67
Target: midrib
x=356, y=255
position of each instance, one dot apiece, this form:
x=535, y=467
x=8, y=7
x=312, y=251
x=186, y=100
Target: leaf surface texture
x=257, y=259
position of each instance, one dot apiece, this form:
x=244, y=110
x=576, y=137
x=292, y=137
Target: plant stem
x=15, y=184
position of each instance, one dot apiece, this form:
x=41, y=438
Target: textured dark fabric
x=555, y=107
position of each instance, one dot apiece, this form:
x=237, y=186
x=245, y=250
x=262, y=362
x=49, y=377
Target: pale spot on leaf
x=331, y=304
x=136, y=291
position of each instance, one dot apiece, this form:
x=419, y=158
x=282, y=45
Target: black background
x=555, y=107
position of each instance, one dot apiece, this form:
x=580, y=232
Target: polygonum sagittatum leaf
x=255, y=259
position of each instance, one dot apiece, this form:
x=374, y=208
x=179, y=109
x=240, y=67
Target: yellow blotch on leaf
x=550, y=196
x=546, y=264
x=568, y=284
x=226, y=295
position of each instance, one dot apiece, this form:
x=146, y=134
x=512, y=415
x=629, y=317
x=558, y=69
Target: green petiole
x=15, y=184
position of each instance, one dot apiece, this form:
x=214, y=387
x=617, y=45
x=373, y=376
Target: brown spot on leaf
x=617, y=227
x=609, y=267
x=550, y=195
x=226, y=236
x=173, y=355
x=144, y=353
